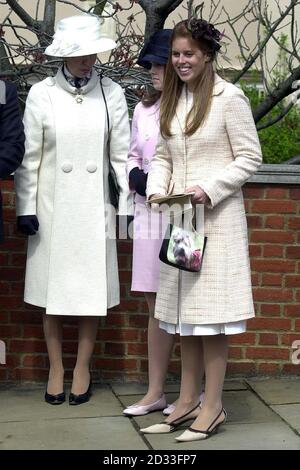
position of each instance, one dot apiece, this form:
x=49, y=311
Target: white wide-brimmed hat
x=79, y=35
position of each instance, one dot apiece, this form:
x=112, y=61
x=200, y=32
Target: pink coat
x=149, y=227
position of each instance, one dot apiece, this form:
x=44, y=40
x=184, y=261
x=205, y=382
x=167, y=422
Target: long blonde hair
x=173, y=87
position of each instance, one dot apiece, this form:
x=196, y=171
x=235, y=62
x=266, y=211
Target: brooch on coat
x=78, y=98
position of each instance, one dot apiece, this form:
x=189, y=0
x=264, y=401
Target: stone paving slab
x=290, y=414
x=266, y=436
x=141, y=389
x=26, y=404
x=277, y=391
x=106, y=433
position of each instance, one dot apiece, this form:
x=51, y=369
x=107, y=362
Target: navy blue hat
x=156, y=49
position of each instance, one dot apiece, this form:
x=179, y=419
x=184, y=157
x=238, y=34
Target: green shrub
x=280, y=141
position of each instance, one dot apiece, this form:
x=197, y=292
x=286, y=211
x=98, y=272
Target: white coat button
x=91, y=167
x=67, y=167
x=146, y=161
x=147, y=136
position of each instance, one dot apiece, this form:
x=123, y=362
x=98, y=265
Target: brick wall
x=121, y=349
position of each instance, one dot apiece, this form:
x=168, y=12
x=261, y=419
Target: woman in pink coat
x=149, y=227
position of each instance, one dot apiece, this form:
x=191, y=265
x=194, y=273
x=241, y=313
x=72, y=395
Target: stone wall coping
x=277, y=174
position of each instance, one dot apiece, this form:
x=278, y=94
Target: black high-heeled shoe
x=81, y=398
x=55, y=399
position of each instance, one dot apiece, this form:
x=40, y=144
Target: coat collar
x=219, y=85
x=62, y=82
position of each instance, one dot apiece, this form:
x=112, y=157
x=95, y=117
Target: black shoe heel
x=82, y=398
x=55, y=399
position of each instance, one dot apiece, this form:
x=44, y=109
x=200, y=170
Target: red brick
x=124, y=246
x=268, y=339
x=292, y=281
x=137, y=349
x=11, y=274
x=255, y=250
x=276, y=193
x=272, y=280
x=255, y=279
x=253, y=192
x=292, y=310
x=118, y=334
x=34, y=361
x=14, y=244
x=115, y=349
x=27, y=346
x=139, y=321
x=4, y=289
x=275, y=221
x=293, y=252
x=241, y=368
x=291, y=369
x=3, y=259
x=254, y=221
x=270, y=309
x=31, y=374
x=10, y=302
x=18, y=259
x=13, y=360
x=123, y=262
x=268, y=368
x=129, y=306
x=116, y=319
x=275, y=266
x=235, y=353
x=267, y=353
x=288, y=338
x=273, y=251
x=116, y=364
x=276, y=295
x=269, y=324
x=272, y=236
x=274, y=207
x=297, y=325
x=33, y=331
x=10, y=331
x=243, y=338
x=4, y=317
x=295, y=193
x=298, y=295
x=294, y=223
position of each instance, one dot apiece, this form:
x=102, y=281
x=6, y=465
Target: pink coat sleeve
x=134, y=158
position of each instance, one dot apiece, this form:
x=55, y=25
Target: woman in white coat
x=209, y=147
x=63, y=198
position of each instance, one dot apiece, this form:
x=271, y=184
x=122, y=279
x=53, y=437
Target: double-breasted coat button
x=91, y=167
x=67, y=167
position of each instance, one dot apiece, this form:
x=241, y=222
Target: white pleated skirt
x=186, y=329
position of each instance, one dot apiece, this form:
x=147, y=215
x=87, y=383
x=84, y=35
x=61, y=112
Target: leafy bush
x=280, y=141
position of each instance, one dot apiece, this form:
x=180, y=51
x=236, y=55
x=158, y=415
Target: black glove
x=28, y=224
x=138, y=181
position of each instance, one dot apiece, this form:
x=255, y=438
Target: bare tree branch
x=23, y=15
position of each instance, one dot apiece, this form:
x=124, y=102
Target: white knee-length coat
x=219, y=157
x=72, y=260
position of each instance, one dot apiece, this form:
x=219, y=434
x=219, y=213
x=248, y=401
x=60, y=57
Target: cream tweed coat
x=219, y=157
x=72, y=266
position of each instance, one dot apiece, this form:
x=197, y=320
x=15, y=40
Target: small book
x=169, y=198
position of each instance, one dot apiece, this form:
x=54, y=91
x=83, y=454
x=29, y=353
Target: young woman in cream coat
x=63, y=197
x=209, y=147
